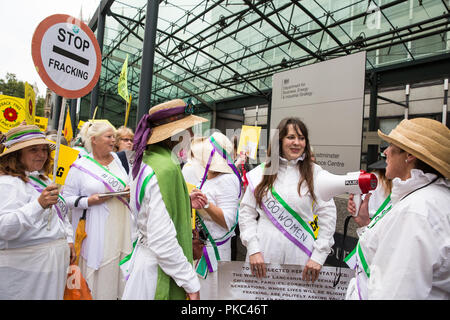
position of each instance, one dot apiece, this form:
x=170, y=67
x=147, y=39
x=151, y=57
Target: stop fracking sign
x=66, y=55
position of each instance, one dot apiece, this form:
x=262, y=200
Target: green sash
x=178, y=204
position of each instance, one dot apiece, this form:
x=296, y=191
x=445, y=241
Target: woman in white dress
x=220, y=182
x=35, y=233
x=108, y=219
x=276, y=218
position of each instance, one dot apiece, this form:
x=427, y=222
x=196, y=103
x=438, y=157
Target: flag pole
x=55, y=160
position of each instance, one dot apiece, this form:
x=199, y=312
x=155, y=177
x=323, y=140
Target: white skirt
x=34, y=273
x=141, y=285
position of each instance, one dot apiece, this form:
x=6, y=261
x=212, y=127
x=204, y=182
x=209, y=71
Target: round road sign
x=66, y=55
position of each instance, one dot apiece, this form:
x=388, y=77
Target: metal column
x=372, y=150
x=148, y=55
x=100, y=37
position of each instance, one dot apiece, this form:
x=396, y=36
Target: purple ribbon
x=207, y=168
x=138, y=191
x=143, y=132
x=223, y=153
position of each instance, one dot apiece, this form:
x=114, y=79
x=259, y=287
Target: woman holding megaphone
x=277, y=211
x=404, y=253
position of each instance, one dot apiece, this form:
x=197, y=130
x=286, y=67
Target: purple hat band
x=165, y=113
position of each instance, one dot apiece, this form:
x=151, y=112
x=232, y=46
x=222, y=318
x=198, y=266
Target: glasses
x=126, y=139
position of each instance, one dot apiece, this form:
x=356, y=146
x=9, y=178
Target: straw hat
x=202, y=148
x=169, y=118
x=426, y=139
x=23, y=136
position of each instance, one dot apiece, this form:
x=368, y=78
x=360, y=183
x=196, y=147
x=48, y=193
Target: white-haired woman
x=108, y=219
x=404, y=253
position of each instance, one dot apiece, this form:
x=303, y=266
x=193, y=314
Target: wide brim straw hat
x=23, y=136
x=170, y=118
x=426, y=139
x=202, y=148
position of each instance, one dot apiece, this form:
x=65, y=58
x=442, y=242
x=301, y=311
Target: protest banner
x=12, y=112
x=30, y=103
x=283, y=282
x=41, y=122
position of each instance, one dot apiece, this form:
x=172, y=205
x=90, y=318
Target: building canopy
x=217, y=50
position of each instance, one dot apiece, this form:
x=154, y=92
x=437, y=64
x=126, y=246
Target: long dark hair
x=305, y=167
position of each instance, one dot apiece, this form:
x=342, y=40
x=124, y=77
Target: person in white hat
x=404, y=253
x=220, y=182
x=285, y=203
x=36, y=238
x=160, y=267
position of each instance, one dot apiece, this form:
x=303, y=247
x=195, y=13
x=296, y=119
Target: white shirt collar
x=292, y=162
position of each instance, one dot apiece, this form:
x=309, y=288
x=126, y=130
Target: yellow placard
x=12, y=112
x=67, y=156
x=80, y=124
x=41, y=122
x=248, y=142
x=30, y=103
x=315, y=225
x=191, y=187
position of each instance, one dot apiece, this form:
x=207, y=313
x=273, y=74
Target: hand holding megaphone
x=328, y=185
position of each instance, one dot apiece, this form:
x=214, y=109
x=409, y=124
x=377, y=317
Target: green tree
x=13, y=87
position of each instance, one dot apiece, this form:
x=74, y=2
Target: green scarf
x=176, y=199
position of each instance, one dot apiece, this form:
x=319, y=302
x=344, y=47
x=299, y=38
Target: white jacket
x=157, y=246
x=408, y=249
x=262, y=236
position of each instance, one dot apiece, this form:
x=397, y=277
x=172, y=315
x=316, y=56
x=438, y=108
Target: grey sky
x=18, y=20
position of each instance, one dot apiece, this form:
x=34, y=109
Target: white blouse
x=260, y=235
x=23, y=222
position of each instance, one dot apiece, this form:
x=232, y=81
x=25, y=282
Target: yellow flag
x=67, y=131
x=122, y=86
x=30, y=103
x=67, y=156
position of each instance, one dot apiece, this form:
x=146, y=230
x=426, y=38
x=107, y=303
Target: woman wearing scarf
x=34, y=229
x=160, y=267
x=108, y=219
x=220, y=182
x=403, y=254
x=281, y=193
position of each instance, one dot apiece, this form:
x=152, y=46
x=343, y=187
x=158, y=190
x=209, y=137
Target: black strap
x=78, y=200
x=83, y=217
x=340, y=256
x=123, y=158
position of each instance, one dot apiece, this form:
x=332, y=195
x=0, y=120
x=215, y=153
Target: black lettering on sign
x=60, y=172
